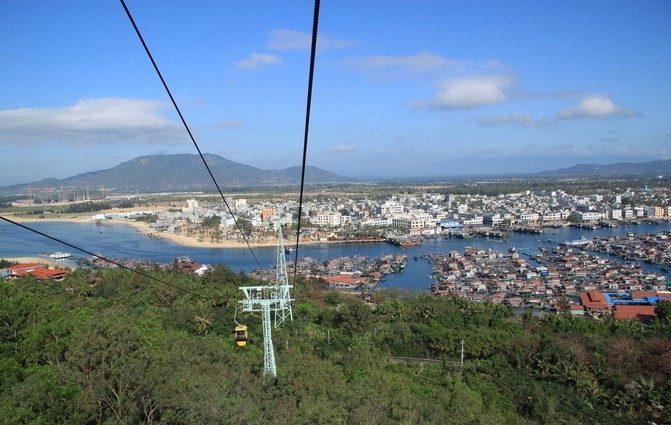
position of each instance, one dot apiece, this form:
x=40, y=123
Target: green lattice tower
x=270, y=298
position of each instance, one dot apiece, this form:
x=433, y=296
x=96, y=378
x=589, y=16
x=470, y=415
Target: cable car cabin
x=240, y=335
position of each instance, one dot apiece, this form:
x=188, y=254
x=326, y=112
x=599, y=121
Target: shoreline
x=182, y=240
x=37, y=260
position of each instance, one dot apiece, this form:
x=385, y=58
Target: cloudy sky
x=402, y=88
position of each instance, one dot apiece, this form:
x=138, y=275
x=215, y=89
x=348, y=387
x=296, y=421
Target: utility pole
x=462, y=354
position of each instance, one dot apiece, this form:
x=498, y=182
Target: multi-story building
x=551, y=217
x=377, y=222
x=267, y=213
x=391, y=208
x=332, y=219
x=528, y=217
x=491, y=219
x=408, y=223
x=654, y=212
x=589, y=215
x=240, y=205
x=191, y=205
x=615, y=214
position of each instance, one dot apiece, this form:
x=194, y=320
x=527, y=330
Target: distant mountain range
x=186, y=173
x=620, y=169
x=182, y=173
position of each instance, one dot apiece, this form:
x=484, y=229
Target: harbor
x=122, y=241
x=543, y=279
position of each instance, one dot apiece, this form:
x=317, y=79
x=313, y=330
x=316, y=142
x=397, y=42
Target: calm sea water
x=122, y=241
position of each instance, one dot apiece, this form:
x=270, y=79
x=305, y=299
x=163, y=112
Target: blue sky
x=402, y=88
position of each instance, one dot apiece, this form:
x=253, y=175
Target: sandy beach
x=36, y=260
x=143, y=228
x=184, y=240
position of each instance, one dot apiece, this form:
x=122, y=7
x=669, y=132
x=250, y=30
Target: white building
x=475, y=220
x=590, y=215
x=240, y=205
x=227, y=222
x=377, y=222
x=391, y=208
x=551, y=216
x=528, y=217
x=191, y=205
x=408, y=223
x=615, y=214
x=492, y=219
x=332, y=219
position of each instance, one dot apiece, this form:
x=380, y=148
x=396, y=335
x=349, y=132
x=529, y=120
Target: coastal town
x=400, y=219
x=562, y=276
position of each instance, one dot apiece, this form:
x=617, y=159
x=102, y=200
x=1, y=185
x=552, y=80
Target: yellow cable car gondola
x=240, y=335
x=240, y=331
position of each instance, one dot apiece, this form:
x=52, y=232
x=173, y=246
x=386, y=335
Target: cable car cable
x=313, y=51
x=116, y=263
x=188, y=130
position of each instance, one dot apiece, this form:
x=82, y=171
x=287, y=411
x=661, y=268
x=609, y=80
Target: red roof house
x=39, y=271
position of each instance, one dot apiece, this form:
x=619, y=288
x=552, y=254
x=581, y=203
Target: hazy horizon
x=449, y=173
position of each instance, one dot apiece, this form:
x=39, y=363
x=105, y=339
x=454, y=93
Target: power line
x=313, y=51
x=188, y=130
x=116, y=263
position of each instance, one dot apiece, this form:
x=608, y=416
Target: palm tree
x=202, y=325
x=630, y=327
x=427, y=312
x=647, y=394
x=592, y=391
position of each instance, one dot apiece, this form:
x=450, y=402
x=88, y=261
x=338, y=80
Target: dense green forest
x=111, y=346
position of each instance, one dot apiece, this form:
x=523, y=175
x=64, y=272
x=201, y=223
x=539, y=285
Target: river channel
x=123, y=241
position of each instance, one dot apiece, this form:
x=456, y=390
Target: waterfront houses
x=553, y=276
x=649, y=248
x=338, y=218
x=355, y=274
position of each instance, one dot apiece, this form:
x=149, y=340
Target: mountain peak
x=183, y=172
x=649, y=168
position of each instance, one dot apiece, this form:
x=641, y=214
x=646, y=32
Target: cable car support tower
x=271, y=298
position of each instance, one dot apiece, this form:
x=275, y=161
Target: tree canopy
x=112, y=346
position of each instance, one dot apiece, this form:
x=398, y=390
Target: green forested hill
x=120, y=348
x=181, y=172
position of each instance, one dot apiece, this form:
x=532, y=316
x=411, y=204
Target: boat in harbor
x=60, y=255
x=405, y=242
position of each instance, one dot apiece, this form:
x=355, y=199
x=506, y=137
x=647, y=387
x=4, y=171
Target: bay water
x=123, y=241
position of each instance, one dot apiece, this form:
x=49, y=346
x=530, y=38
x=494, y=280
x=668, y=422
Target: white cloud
x=515, y=117
x=283, y=39
x=469, y=92
x=422, y=61
x=343, y=148
x=425, y=61
x=522, y=118
x=92, y=122
x=592, y=106
x=258, y=61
